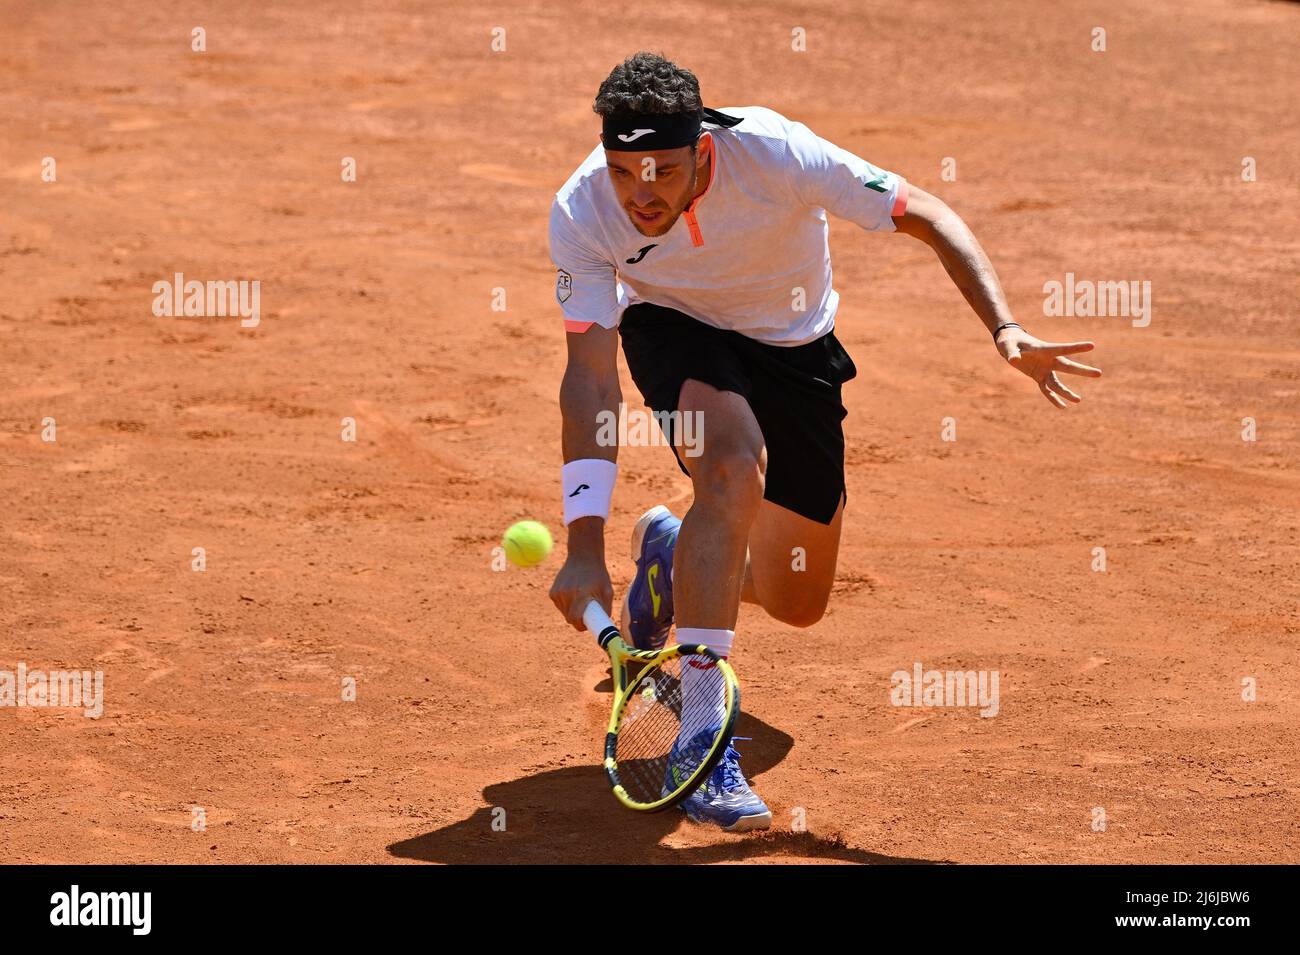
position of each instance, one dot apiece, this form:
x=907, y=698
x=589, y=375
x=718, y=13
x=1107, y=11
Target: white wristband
x=588, y=486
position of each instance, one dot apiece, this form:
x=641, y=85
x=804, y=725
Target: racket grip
x=599, y=623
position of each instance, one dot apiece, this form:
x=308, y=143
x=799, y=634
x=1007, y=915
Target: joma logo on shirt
x=641, y=253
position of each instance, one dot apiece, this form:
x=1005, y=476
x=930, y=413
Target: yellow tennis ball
x=527, y=543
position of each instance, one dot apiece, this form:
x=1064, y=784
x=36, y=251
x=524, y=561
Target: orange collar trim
x=697, y=237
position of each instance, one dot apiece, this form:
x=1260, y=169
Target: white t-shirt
x=746, y=255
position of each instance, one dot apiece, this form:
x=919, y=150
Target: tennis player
x=699, y=237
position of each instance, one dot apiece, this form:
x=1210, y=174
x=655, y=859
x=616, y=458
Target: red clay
x=373, y=560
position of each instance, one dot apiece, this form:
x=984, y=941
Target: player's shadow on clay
x=568, y=816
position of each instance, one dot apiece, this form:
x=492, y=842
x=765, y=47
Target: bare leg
x=709, y=563
x=790, y=566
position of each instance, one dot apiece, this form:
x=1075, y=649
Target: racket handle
x=598, y=622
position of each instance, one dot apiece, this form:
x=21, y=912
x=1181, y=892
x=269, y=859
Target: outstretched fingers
x=1056, y=349
x=1054, y=384
x=1074, y=368
x=1050, y=395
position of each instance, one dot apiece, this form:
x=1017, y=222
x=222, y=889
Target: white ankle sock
x=719, y=641
x=704, y=695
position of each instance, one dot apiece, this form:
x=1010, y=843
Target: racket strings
x=669, y=726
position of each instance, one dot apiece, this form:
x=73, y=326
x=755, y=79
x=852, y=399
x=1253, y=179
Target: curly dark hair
x=648, y=83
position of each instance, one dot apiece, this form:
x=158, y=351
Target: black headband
x=647, y=132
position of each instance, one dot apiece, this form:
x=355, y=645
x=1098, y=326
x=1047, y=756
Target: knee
x=798, y=604
x=799, y=613
x=734, y=476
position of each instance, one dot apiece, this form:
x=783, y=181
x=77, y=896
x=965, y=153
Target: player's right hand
x=583, y=578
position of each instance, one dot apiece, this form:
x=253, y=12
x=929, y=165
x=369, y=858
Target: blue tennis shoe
x=725, y=798
x=648, y=609
x=686, y=756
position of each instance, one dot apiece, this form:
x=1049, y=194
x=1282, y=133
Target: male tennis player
x=700, y=237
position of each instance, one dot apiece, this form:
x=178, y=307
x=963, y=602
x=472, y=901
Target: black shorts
x=794, y=393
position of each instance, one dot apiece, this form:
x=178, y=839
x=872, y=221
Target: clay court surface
x=373, y=559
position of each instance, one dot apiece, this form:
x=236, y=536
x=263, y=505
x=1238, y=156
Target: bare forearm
x=970, y=269
x=929, y=219
x=583, y=401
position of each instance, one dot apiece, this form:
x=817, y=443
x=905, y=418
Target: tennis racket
x=671, y=721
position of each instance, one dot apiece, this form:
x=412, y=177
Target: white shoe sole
x=638, y=541
x=643, y=526
x=762, y=820
x=749, y=823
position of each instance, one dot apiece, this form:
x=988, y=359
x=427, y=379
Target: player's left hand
x=1044, y=361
